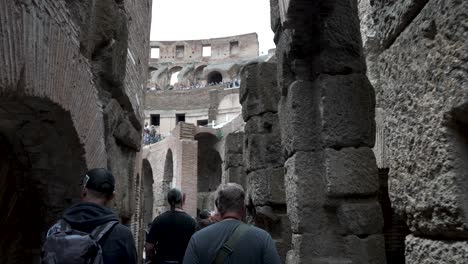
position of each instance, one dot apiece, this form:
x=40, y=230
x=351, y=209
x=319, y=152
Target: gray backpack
x=66, y=245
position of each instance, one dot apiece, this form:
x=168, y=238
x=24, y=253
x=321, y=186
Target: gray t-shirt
x=255, y=247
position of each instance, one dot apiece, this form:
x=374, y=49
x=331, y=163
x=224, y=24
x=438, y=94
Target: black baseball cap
x=100, y=180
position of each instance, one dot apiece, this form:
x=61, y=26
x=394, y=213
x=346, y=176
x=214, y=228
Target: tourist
x=230, y=240
x=146, y=135
x=67, y=239
x=204, y=219
x=170, y=232
x=152, y=135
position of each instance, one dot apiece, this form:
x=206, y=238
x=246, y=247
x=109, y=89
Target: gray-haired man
x=230, y=240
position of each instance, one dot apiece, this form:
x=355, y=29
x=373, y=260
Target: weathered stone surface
x=337, y=46
x=233, y=143
x=305, y=190
x=321, y=248
x=259, y=91
x=127, y=135
x=236, y=175
x=351, y=171
x=370, y=250
x=361, y=218
x=332, y=111
x=422, y=76
x=382, y=22
x=262, y=143
x=348, y=104
x=266, y=186
x=233, y=160
x=427, y=251
x=299, y=117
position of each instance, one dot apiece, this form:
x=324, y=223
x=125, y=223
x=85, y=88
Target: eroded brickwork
x=70, y=98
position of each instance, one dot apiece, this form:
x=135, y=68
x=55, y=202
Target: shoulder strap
x=228, y=247
x=101, y=230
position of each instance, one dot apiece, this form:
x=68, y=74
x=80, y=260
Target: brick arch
x=41, y=166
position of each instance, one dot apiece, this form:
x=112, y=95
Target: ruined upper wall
x=185, y=51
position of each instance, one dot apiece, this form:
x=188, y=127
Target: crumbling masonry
x=71, y=96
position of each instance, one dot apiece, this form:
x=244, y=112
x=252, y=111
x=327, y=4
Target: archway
x=173, y=75
x=198, y=75
x=209, y=163
x=214, y=77
x=148, y=197
x=41, y=167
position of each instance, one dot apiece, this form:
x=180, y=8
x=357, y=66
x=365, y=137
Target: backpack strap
x=101, y=230
x=228, y=247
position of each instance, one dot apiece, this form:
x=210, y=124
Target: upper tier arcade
x=205, y=50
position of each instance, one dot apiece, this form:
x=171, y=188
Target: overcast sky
x=203, y=19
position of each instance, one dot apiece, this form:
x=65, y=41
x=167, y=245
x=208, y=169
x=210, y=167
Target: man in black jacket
x=118, y=245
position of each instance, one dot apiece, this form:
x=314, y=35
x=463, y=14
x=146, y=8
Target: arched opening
x=209, y=163
x=41, y=167
x=214, y=77
x=198, y=75
x=173, y=75
x=148, y=197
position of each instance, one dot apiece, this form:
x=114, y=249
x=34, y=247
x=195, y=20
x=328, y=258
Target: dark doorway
x=180, y=118
x=41, y=167
x=215, y=77
x=209, y=163
x=203, y=122
x=395, y=229
x=155, y=120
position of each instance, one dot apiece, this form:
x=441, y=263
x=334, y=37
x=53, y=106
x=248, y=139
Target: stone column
x=233, y=164
x=263, y=158
x=326, y=115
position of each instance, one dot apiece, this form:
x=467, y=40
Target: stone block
x=127, y=135
x=262, y=143
x=233, y=160
x=299, y=115
x=427, y=251
x=305, y=191
x=340, y=39
x=233, y=143
x=351, y=172
x=259, y=91
x=336, y=43
x=266, y=186
x=236, y=175
x=370, y=250
x=347, y=104
x=318, y=247
x=361, y=218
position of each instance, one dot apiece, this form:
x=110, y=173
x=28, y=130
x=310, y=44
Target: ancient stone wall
x=417, y=58
x=233, y=47
x=263, y=160
x=205, y=104
x=326, y=122
x=174, y=164
x=70, y=97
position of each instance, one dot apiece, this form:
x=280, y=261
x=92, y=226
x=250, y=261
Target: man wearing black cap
x=117, y=244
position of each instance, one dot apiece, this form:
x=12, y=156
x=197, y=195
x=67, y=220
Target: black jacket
x=117, y=245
